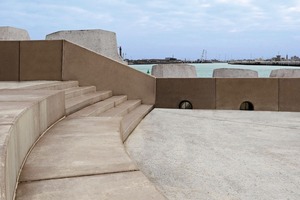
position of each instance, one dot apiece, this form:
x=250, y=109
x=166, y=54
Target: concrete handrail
x=26, y=114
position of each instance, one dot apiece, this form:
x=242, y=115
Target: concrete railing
x=24, y=116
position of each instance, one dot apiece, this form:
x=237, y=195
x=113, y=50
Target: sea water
x=205, y=70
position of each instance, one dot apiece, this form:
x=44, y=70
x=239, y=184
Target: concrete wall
x=90, y=68
x=289, y=94
x=30, y=60
x=262, y=93
x=100, y=41
x=11, y=33
x=229, y=93
x=199, y=91
x=41, y=60
x=174, y=71
x=9, y=60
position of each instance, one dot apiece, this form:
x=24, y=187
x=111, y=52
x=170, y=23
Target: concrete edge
x=23, y=133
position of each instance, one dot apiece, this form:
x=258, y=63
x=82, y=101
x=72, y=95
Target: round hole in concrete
x=185, y=105
x=247, y=105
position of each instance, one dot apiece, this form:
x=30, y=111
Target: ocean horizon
x=205, y=70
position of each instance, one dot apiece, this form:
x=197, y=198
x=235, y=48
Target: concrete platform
x=202, y=154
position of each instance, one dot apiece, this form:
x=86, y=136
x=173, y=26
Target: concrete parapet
x=11, y=33
x=261, y=92
x=200, y=92
x=24, y=116
x=234, y=73
x=285, y=73
x=174, y=71
x=100, y=41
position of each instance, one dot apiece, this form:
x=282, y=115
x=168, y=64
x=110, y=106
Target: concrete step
x=59, y=85
x=76, y=103
x=100, y=107
x=77, y=91
x=132, y=119
x=122, y=109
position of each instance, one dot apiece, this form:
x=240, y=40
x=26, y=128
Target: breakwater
x=273, y=63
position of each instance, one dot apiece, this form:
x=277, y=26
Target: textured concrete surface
x=119, y=186
x=285, y=73
x=77, y=147
x=174, y=71
x=234, y=73
x=200, y=154
x=11, y=33
x=24, y=116
x=100, y=41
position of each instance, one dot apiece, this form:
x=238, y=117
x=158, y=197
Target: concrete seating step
x=76, y=91
x=132, y=119
x=76, y=103
x=60, y=85
x=100, y=107
x=122, y=109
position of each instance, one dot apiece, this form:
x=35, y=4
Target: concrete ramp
x=285, y=73
x=234, y=73
x=174, y=71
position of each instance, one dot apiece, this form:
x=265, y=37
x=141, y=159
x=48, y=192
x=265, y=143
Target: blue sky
x=164, y=28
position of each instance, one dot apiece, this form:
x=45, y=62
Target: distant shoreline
x=272, y=63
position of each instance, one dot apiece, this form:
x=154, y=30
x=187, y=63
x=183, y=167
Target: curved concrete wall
x=11, y=33
x=234, y=73
x=100, y=41
x=24, y=116
x=174, y=71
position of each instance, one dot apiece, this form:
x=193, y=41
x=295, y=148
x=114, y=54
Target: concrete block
x=100, y=41
x=174, y=71
x=11, y=33
x=234, y=73
x=289, y=94
x=262, y=93
x=9, y=60
x=40, y=60
x=199, y=91
x=285, y=73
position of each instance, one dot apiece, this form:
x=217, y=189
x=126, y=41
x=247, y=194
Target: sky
x=225, y=29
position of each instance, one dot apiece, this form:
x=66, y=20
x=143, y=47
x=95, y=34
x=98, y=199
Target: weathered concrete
x=174, y=71
x=285, y=73
x=202, y=154
x=234, y=73
x=127, y=185
x=100, y=41
x=12, y=33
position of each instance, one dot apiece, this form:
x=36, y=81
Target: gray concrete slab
x=77, y=147
x=119, y=186
x=202, y=154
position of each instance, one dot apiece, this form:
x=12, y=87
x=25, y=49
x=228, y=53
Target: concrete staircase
x=83, y=156
x=87, y=102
